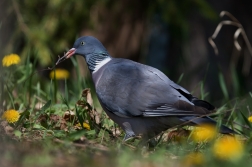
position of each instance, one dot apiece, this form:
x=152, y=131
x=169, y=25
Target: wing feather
x=130, y=89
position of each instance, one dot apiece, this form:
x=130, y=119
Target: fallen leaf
x=178, y=135
x=86, y=93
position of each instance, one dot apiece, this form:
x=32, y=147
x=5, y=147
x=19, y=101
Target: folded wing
x=130, y=89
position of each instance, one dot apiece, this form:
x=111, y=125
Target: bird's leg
x=127, y=137
x=144, y=141
x=148, y=143
x=152, y=143
x=143, y=145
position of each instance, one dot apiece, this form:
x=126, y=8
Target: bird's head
x=85, y=46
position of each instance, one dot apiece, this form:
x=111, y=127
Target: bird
x=141, y=99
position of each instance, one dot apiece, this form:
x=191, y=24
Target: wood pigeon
x=140, y=99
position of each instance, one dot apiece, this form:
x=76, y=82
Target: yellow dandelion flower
x=85, y=125
x=11, y=59
x=59, y=74
x=194, y=159
x=250, y=118
x=11, y=116
x=204, y=133
x=228, y=148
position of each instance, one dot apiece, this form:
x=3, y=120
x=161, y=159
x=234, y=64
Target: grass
x=50, y=130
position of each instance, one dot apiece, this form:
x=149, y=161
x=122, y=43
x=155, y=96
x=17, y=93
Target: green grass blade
x=10, y=95
x=250, y=94
x=66, y=90
x=46, y=106
x=235, y=81
x=79, y=116
x=223, y=85
x=180, y=78
x=76, y=66
x=246, y=120
x=43, y=109
x=23, y=115
x=232, y=112
x=64, y=100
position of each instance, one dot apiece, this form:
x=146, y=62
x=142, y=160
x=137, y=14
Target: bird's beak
x=67, y=55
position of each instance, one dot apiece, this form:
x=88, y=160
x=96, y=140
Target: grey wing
x=130, y=89
x=194, y=100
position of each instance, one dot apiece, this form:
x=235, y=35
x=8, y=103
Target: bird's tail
x=226, y=130
x=202, y=103
x=207, y=120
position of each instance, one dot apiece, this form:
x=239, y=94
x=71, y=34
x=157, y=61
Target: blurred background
x=170, y=35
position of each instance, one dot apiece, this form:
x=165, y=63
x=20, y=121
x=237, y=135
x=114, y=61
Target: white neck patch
x=99, y=64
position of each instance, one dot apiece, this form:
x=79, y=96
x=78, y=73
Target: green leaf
x=76, y=135
x=46, y=106
x=17, y=133
x=59, y=133
x=37, y=126
x=91, y=132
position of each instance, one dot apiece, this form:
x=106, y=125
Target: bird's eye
x=82, y=43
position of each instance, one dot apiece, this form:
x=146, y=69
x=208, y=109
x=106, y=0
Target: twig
x=223, y=13
x=240, y=30
x=61, y=59
x=217, y=30
x=129, y=145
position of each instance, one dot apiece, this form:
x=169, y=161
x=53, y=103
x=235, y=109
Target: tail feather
x=207, y=120
x=202, y=103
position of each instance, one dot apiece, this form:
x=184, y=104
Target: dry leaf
x=178, y=135
x=7, y=128
x=69, y=116
x=86, y=93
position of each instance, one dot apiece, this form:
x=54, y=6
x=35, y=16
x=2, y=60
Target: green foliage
x=46, y=25
x=47, y=28
x=43, y=119
x=223, y=85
